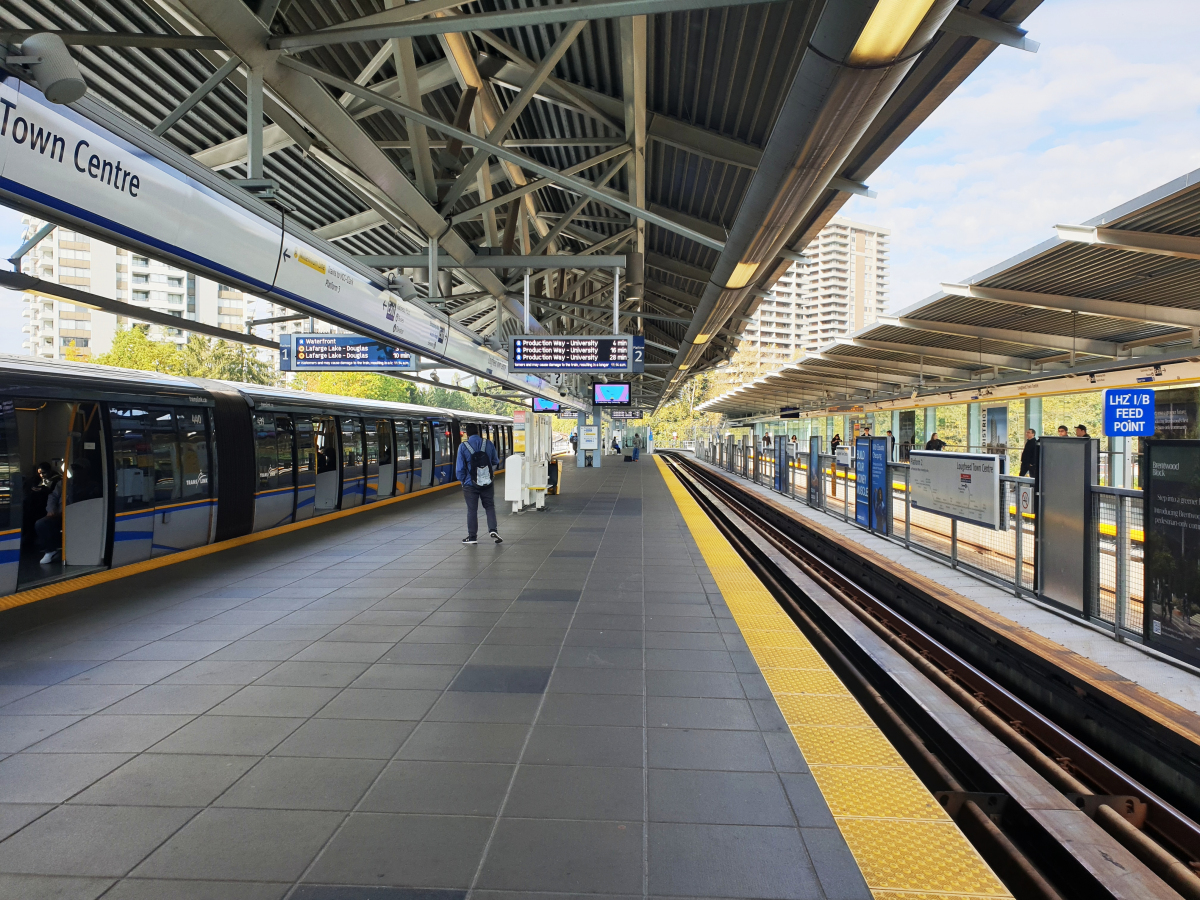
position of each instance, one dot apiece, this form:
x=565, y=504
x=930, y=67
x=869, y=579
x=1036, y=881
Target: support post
x=1122, y=565
x=1019, y=544
x=433, y=271
x=907, y=507
x=954, y=543
x=598, y=453
x=616, y=301
x=580, y=421
x=527, y=271
x=254, y=123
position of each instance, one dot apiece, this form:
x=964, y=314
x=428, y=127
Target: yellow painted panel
x=877, y=792
x=825, y=746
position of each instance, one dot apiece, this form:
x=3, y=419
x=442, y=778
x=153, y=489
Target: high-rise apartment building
x=65, y=257
x=841, y=288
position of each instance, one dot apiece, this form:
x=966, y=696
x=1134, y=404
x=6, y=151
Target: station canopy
x=715, y=137
x=1123, y=286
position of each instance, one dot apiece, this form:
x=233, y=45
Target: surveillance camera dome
x=55, y=72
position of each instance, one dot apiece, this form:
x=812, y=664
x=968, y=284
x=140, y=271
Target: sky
x=1107, y=109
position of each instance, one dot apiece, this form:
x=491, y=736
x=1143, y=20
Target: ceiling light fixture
x=889, y=29
x=742, y=273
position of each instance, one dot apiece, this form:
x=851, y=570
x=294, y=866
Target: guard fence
x=1006, y=557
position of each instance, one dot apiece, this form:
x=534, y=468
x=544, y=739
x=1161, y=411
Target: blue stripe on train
x=133, y=536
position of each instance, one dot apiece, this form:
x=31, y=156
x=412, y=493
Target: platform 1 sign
x=1129, y=412
x=963, y=486
x=340, y=352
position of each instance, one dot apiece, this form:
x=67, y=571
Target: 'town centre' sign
x=1129, y=412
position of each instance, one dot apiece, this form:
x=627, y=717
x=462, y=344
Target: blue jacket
x=462, y=466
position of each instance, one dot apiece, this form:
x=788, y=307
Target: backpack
x=481, y=466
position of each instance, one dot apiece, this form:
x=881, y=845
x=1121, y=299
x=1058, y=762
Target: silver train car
x=150, y=464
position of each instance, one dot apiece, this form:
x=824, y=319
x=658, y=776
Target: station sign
x=340, y=352
x=1129, y=412
x=626, y=413
x=561, y=353
x=571, y=414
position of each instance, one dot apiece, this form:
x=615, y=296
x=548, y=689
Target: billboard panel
x=963, y=486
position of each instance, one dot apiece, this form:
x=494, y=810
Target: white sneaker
x=469, y=540
x=499, y=540
x=50, y=557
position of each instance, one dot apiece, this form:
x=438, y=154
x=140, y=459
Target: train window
x=352, y=450
x=371, y=441
x=404, y=458
x=306, y=454
x=265, y=452
x=385, y=442
x=85, y=475
x=325, y=438
x=192, y=425
x=283, y=443
x=426, y=442
x=167, y=485
x=10, y=468
x=132, y=458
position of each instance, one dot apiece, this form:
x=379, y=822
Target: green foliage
x=199, y=358
x=1074, y=409
x=365, y=385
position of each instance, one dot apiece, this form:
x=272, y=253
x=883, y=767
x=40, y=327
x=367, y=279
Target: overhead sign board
x=554, y=353
x=339, y=352
x=618, y=393
x=963, y=486
x=626, y=413
x=1129, y=412
x=540, y=405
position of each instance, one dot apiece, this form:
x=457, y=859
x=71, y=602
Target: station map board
x=963, y=486
x=340, y=352
x=552, y=353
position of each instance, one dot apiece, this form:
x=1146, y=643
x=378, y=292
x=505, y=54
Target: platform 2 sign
x=1171, y=570
x=340, y=352
x=963, y=486
x=1129, y=412
x=539, y=353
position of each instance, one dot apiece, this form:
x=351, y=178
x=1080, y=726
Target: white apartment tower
x=54, y=326
x=843, y=287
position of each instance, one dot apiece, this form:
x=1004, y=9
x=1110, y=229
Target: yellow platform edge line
x=70, y=585
x=903, y=841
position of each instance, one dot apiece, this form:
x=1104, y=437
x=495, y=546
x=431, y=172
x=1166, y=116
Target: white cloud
x=1108, y=108
x=11, y=302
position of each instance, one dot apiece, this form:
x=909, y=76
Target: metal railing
x=1117, y=557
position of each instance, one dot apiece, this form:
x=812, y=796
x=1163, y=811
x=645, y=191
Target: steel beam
x=1113, y=309
x=966, y=22
x=348, y=227
x=917, y=368
x=1061, y=342
x=677, y=267
x=968, y=356
x=1177, y=245
x=120, y=39
x=632, y=31
x=578, y=206
x=196, y=96
x=486, y=261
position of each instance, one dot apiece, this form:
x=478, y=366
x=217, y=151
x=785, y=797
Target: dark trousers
x=474, y=495
x=49, y=533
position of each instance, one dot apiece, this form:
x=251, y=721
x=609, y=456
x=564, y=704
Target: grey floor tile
x=220, y=671
x=699, y=712
x=592, y=637
x=690, y=660
x=251, y=844
x=230, y=735
x=68, y=700
x=502, y=679
x=555, y=855
x=549, y=595
x=808, y=803
x=262, y=700
x=180, y=650
x=544, y=637
x=429, y=654
x=686, y=640
x=732, y=751
x=784, y=753
x=576, y=792
x=730, y=861
x=90, y=840
x=260, y=650
x=515, y=655
x=52, y=777
x=167, y=779
x=407, y=676
x=594, y=745
x=601, y=657
x=313, y=674
x=173, y=699
x=375, y=703
x=439, y=788
x=120, y=671
x=19, y=732
x=15, y=816
x=446, y=634
x=159, y=889
x=596, y=681
x=465, y=742
x=591, y=709
x=461, y=706
x=293, y=782
x=52, y=887
x=671, y=683
x=835, y=865
x=111, y=734
x=346, y=739
x=340, y=651
x=404, y=850
x=718, y=798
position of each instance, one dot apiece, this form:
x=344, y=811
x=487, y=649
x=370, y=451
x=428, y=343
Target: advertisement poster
x=814, y=471
x=862, y=482
x=880, y=520
x=589, y=437
x=963, y=486
x=1172, y=548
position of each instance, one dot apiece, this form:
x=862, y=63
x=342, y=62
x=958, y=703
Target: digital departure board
x=626, y=413
x=300, y=352
x=546, y=353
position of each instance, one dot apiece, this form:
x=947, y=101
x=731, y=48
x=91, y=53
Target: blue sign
x=1129, y=412
x=637, y=362
x=862, y=481
x=340, y=352
x=880, y=520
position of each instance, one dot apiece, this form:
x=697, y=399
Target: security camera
x=52, y=67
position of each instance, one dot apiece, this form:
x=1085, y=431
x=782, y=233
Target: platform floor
x=368, y=704
x=1126, y=659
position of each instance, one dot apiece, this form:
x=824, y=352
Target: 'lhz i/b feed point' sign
x=1129, y=412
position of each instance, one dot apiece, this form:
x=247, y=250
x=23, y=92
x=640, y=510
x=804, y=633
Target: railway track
x=1056, y=817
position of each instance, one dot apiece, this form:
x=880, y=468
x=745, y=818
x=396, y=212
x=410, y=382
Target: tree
x=133, y=349
x=200, y=358
x=365, y=385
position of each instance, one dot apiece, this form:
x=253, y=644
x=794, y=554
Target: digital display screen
x=339, y=352
x=611, y=394
x=540, y=405
x=627, y=413
x=570, y=354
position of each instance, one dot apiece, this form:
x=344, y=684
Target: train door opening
x=370, y=460
x=426, y=454
x=57, y=458
x=325, y=440
x=10, y=498
x=387, y=458
x=352, y=462
x=274, y=493
x=443, y=449
x=404, y=456
x=306, y=468
x=183, y=504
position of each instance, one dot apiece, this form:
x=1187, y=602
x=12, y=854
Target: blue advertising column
x=862, y=481
x=880, y=489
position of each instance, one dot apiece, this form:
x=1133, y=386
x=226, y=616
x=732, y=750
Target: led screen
x=540, y=405
x=611, y=394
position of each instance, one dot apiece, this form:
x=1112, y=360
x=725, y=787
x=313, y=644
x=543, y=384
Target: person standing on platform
x=574, y=442
x=1081, y=431
x=935, y=443
x=1062, y=431
x=834, y=443
x=477, y=460
x=637, y=445
x=891, y=446
x=1029, y=455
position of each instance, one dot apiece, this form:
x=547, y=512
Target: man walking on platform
x=477, y=462
x=1029, y=455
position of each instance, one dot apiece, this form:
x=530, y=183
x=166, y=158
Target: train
x=152, y=464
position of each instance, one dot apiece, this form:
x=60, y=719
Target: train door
x=446, y=448
x=306, y=468
x=352, y=461
x=370, y=460
x=427, y=459
x=285, y=445
x=274, y=492
x=85, y=507
x=133, y=464
x=387, y=458
x=182, y=487
x=10, y=498
x=404, y=456
x=325, y=440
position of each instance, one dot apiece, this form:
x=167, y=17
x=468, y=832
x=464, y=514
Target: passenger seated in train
x=49, y=526
x=33, y=503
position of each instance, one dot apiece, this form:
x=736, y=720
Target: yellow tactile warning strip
x=74, y=584
x=904, y=843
